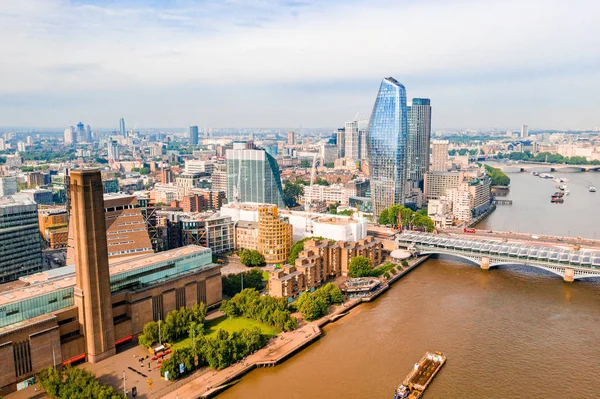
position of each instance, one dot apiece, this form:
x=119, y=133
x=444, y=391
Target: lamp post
x=124, y=388
x=159, y=339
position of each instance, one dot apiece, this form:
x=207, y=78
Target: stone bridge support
x=485, y=263
x=569, y=275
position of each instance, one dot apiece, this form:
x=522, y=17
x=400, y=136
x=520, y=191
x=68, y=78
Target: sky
x=291, y=63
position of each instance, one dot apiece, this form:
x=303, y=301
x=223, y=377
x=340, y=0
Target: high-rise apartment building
x=70, y=135
x=253, y=176
x=88, y=134
x=193, y=135
x=8, y=186
x=437, y=184
x=524, y=130
x=291, y=138
x=185, y=182
x=218, y=178
x=113, y=150
x=166, y=175
x=275, y=235
x=419, y=135
x=352, y=141
x=20, y=245
x=340, y=140
x=122, y=130
x=81, y=132
x=439, y=155
x=386, y=145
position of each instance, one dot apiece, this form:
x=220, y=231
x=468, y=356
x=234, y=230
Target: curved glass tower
x=387, y=139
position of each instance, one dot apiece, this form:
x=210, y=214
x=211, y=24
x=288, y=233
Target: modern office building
x=40, y=196
x=20, y=245
x=84, y=312
x=218, y=178
x=438, y=183
x=352, y=141
x=524, y=130
x=439, y=155
x=419, y=136
x=193, y=135
x=8, y=186
x=70, y=135
x=208, y=230
x=253, y=176
x=199, y=166
x=329, y=153
x=246, y=235
x=386, y=146
x=291, y=138
x=88, y=134
x=186, y=182
x=113, y=150
x=122, y=130
x=340, y=141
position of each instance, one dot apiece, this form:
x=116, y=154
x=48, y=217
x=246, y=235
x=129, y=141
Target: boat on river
x=417, y=381
x=592, y=189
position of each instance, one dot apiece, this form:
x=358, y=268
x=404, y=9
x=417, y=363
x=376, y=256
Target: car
x=535, y=237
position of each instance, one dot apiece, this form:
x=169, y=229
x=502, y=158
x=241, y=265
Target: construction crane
x=312, y=178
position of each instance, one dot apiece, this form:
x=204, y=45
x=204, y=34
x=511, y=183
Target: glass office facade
x=36, y=306
x=387, y=139
x=259, y=179
x=419, y=136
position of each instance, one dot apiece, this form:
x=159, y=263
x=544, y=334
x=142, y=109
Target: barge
x=417, y=381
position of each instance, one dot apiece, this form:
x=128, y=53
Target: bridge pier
x=569, y=275
x=485, y=263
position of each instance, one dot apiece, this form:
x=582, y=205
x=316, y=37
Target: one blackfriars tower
x=387, y=139
x=92, y=290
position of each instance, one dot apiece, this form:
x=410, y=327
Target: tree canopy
x=252, y=279
x=75, y=383
x=175, y=326
x=263, y=308
x=291, y=193
x=315, y=305
x=408, y=218
x=497, y=177
x=360, y=266
x=251, y=257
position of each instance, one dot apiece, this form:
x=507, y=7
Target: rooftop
x=64, y=277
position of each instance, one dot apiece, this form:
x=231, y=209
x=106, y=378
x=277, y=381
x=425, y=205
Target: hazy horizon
x=291, y=63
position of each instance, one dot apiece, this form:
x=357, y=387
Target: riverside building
x=86, y=311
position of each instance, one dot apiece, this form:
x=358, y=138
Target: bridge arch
x=558, y=271
x=442, y=255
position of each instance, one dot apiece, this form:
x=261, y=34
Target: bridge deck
x=505, y=251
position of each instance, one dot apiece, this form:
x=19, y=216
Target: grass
x=381, y=270
x=230, y=325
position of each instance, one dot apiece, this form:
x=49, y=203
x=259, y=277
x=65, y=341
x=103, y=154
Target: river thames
x=508, y=333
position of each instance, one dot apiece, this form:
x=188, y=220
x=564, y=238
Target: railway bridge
x=563, y=261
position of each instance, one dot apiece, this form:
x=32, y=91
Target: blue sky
x=256, y=63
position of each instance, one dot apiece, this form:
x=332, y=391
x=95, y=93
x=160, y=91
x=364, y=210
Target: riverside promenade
x=279, y=349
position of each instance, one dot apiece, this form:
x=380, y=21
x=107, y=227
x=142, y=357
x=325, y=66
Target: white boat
x=564, y=180
x=556, y=180
x=592, y=189
x=567, y=192
x=562, y=187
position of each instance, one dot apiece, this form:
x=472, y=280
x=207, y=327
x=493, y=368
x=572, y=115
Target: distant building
x=122, y=130
x=213, y=231
x=352, y=144
x=70, y=135
x=291, y=138
x=54, y=226
x=193, y=135
x=253, y=175
x=110, y=185
x=388, y=138
x=40, y=196
x=439, y=156
x=202, y=200
x=81, y=137
x=199, y=166
x=218, y=179
x=340, y=140
x=438, y=183
x=166, y=175
x=35, y=179
x=524, y=131
x=185, y=182
x=329, y=153
x=113, y=150
x=419, y=135
x=8, y=186
x=19, y=238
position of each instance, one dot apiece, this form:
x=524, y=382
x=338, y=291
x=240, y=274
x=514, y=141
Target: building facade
x=439, y=156
x=419, y=137
x=246, y=235
x=193, y=135
x=8, y=186
x=54, y=226
x=20, y=245
x=253, y=175
x=438, y=183
x=275, y=235
x=386, y=146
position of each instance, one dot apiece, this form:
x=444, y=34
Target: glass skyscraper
x=122, y=131
x=387, y=140
x=253, y=176
x=419, y=136
x=194, y=135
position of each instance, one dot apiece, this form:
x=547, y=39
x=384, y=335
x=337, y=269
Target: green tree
x=144, y=171
x=251, y=258
x=291, y=193
x=360, y=266
x=149, y=334
x=384, y=217
x=330, y=165
x=321, y=182
x=305, y=163
x=252, y=279
x=312, y=307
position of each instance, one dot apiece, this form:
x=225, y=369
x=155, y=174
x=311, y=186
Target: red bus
x=471, y=231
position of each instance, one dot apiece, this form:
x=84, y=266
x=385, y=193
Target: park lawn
x=230, y=325
x=380, y=271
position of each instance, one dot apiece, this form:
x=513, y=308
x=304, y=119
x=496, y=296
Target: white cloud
x=53, y=46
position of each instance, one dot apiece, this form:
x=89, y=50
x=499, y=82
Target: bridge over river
x=569, y=262
x=545, y=167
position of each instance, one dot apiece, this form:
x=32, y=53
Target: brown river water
x=508, y=333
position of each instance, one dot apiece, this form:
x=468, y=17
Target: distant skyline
x=253, y=63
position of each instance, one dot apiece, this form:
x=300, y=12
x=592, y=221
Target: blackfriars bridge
x=562, y=260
